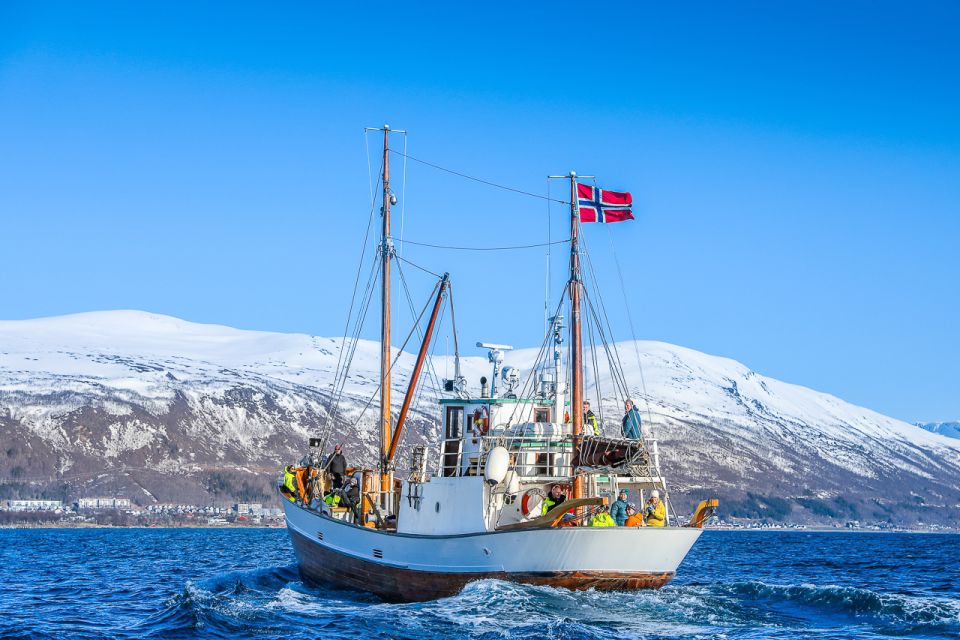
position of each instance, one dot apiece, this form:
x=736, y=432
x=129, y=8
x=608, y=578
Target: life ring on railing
x=532, y=499
x=481, y=423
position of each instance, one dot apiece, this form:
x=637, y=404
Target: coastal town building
x=34, y=505
x=99, y=504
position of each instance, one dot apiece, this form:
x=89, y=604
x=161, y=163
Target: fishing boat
x=478, y=503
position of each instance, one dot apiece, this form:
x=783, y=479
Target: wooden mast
x=386, y=254
x=576, y=344
x=415, y=376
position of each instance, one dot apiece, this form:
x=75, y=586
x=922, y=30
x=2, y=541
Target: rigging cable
x=528, y=385
x=340, y=378
x=509, y=248
x=356, y=284
x=406, y=290
x=480, y=180
x=400, y=352
x=633, y=334
x=652, y=469
x=416, y=266
x=403, y=192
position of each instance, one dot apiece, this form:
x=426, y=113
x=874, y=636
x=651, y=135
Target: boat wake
x=275, y=603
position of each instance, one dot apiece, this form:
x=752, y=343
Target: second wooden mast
x=386, y=255
x=576, y=342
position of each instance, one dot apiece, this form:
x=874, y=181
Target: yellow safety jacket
x=602, y=520
x=659, y=516
x=592, y=421
x=332, y=499
x=547, y=505
x=290, y=484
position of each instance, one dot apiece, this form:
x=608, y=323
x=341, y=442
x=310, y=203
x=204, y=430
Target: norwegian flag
x=599, y=205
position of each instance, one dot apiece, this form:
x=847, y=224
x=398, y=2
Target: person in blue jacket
x=618, y=510
x=631, y=421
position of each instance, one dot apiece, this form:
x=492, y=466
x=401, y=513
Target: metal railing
x=530, y=457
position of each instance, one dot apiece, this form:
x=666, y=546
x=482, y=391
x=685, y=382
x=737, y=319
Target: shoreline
x=282, y=526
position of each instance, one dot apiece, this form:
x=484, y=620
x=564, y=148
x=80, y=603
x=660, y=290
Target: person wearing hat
x=618, y=510
x=336, y=466
x=634, y=519
x=656, y=511
x=350, y=497
x=631, y=420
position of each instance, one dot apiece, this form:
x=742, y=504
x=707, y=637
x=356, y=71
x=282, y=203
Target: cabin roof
x=540, y=401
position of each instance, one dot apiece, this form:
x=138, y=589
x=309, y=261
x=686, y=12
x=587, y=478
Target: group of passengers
x=631, y=426
x=343, y=489
x=620, y=514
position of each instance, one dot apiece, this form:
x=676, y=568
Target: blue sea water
x=238, y=583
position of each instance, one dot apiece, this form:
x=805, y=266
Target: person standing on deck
x=337, y=466
x=289, y=489
x=631, y=421
x=590, y=418
x=618, y=510
x=656, y=511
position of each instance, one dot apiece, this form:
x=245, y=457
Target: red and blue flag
x=599, y=205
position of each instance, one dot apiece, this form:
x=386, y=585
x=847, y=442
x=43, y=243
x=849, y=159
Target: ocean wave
x=274, y=602
x=912, y=613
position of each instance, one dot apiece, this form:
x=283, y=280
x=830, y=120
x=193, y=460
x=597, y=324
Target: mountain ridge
x=178, y=402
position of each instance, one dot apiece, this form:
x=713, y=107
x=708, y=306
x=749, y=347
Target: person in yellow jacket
x=555, y=497
x=656, y=511
x=290, y=483
x=602, y=519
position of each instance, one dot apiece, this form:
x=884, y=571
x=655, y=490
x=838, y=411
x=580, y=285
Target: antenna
x=495, y=356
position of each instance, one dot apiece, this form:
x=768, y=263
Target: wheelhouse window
x=541, y=414
x=454, y=422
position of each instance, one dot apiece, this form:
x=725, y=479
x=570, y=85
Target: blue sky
x=796, y=170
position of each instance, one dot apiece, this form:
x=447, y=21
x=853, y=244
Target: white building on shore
x=99, y=504
x=34, y=505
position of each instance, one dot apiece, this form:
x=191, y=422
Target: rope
x=403, y=192
x=403, y=346
x=353, y=296
x=416, y=266
x=406, y=290
x=520, y=246
x=480, y=180
x=633, y=334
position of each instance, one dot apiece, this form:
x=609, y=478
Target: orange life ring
x=525, y=501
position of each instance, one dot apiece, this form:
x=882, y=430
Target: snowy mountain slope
x=949, y=429
x=187, y=410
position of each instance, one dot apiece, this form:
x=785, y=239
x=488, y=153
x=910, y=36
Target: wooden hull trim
x=320, y=565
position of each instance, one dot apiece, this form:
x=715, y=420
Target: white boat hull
x=408, y=567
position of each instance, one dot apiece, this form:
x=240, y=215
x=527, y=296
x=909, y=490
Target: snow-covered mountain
x=164, y=409
x=949, y=429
